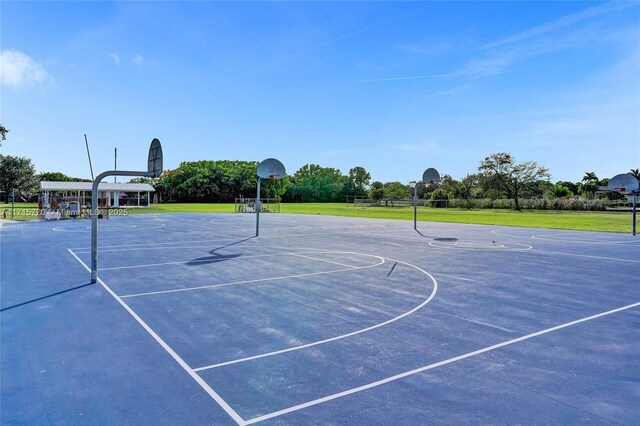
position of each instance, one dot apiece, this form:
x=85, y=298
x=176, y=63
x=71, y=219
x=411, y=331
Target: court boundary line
x=108, y=228
x=342, y=336
x=434, y=365
x=588, y=256
x=352, y=268
x=543, y=237
x=184, y=262
x=327, y=261
x=468, y=245
x=195, y=376
x=171, y=244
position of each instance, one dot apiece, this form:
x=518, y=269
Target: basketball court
x=318, y=320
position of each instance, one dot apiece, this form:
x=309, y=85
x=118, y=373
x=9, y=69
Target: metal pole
x=635, y=203
x=86, y=142
x=13, y=199
x=415, y=207
x=94, y=214
x=258, y=206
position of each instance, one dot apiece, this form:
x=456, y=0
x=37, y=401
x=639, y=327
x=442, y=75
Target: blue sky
x=395, y=87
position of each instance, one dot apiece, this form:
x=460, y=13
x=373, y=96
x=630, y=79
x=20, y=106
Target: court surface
x=320, y=320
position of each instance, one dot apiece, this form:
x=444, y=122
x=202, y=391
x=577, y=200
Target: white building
x=110, y=195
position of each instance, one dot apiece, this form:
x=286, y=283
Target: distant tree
x=162, y=184
x=450, y=186
x=59, y=177
x=573, y=187
x=589, y=184
x=612, y=195
x=536, y=189
x=439, y=198
x=469, y=185
x=315, y=183
x=510, y=176
x=275, y=188
x=16, y=173
x=357, y=181
x=376, y=191
x=395, y=191
x=635, y=173
x=211, y=181
x=421, y=189
x=560, y=191
x=3, y=133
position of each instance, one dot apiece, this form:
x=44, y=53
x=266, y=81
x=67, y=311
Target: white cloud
x=18, y=70
x=138, y=61
x=501, y=58
x=429, y=47
x=416, y=77
x=419, y=147
x=564, y=21
x=490, y=66
x=115, y=57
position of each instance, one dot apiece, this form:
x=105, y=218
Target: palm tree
x=635, y=173
x=590, y=184
x=590, y=177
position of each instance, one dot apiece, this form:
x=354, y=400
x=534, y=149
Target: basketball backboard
x=155, y=158
x=271, y=169
x=430, y=176
x=623, y=183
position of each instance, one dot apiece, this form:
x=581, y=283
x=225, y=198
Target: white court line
x=107, y=228
x=342, y=336
x=310, y=274
x=295, y=235
x=213, y=394
x=153, y=247
x=186, y=262
x=179, y=244
x=549, y=237
x=434, y=365
x=324, y=260
x=459, y=278
x=584, y=255
x=470, y=245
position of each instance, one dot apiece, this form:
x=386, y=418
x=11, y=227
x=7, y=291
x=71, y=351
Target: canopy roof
x=103, y=186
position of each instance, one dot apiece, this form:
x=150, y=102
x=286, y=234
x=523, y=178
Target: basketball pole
x=415, y=207
x=258, y=209
x=95, y=212
x=635, y=203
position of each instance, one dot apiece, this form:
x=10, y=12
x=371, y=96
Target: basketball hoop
x=270, y=169
x=623, y=183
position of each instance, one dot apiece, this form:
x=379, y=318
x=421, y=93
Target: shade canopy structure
x=110, y=194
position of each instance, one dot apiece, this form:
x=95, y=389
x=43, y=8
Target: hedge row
x=577, y=204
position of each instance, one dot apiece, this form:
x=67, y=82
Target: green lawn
x=591, y=221
x=20, y=211
x=588, y=221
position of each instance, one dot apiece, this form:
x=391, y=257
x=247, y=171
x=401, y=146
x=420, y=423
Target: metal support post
x=415, y=207
x=94, y=213
x=258, y=207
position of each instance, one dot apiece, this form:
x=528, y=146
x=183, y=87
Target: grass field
x=587, y=221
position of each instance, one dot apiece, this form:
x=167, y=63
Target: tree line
x=225, y=180
x=498, y=176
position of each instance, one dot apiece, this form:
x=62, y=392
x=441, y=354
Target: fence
x=575, y=204
x=248, y=205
